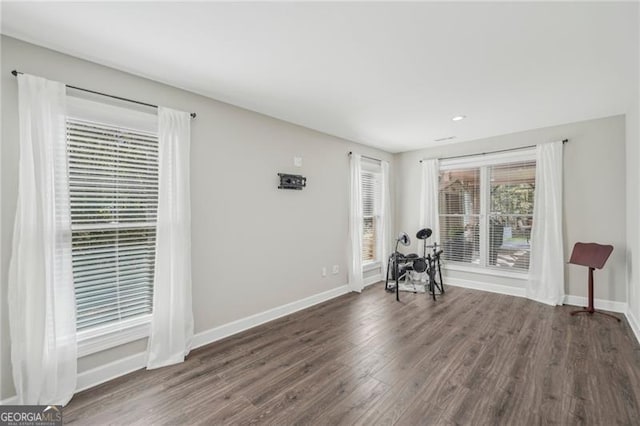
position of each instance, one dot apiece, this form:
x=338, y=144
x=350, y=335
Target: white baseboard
x=492, y=288
x=226, y=330
x=12, y=400
x=372, y=280
x=605, y=305
x=104, y=373
x=634, y=323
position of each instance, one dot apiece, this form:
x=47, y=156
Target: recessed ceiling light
x=459, y=117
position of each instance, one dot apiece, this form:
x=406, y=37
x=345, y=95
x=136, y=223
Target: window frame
x=483, y=162
x=374, y=168
x=106, y=336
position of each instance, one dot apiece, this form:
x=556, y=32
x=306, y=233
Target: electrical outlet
x=324, y=271
x=297, y=161
x=336, y=269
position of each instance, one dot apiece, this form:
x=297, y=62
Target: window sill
x=108, y=336
x=371, y=266
x=485, y=271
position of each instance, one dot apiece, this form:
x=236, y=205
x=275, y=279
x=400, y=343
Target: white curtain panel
x=172, y=319
x=42, y=311
x=429, y=217
x=386, y=218
x=354, y=251
x=546, y=267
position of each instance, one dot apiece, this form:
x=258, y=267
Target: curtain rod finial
x=193, y=115
x=15, y=73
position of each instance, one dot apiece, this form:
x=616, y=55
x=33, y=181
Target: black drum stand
x=434, y=268
x=399, y=266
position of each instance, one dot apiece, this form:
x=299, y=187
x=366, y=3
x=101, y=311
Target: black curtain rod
x=369, y=158
x=193, y=114
x=492, y=152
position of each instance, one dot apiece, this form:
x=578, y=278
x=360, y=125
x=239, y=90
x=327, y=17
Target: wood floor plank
x=313, y=411
x=353, y=406
x=286, y=404
x=468, y=358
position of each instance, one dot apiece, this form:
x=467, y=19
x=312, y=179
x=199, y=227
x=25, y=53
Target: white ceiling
x=390, y=75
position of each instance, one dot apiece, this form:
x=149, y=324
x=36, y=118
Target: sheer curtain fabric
x=386, y=218
x=172, y=318
x=354, y=251
x=429, y=214
x=41, y=294
x=546, y=267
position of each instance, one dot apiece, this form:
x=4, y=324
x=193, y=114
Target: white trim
x=512, y=156
x=105, y=337
x=605, y=305
x=234, y=327
x=451, y=266
x=370, y=266
x=372, y=280
x=99, y=375
x=102, y=112
x=104, y=373
x=492, y=288
x=483, y=218
x=633, y=323
x=370, y=165
x=12, y=400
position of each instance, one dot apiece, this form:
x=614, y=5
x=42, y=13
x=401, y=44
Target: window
x=460, y=214
x=371, y=211
x=486, y=210
x=113, y=181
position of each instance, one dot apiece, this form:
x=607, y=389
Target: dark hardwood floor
x=469, y=358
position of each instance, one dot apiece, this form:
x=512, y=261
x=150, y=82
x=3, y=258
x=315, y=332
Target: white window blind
x=371, y=206
x=113, y=177
x=460, y=214
x=511, y=214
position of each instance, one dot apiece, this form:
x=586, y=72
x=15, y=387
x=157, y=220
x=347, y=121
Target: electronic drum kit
x=400, y=266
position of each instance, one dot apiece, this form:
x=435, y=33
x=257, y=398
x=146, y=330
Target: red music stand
x=593, y=256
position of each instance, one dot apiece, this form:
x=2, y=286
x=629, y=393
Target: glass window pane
x=460, y=238
x=510, y=241
x=369, y=239
x=512, y=188
x=511, y=200
x=113, y=194
x=459, y=215
x=460, y=192
x=371, y=200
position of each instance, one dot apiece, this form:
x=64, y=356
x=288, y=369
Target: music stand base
x=593, y=311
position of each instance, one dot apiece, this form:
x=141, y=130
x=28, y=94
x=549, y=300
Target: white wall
x=254, y=247
x=633, y=198
x=594, y=202
x=633, y=213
